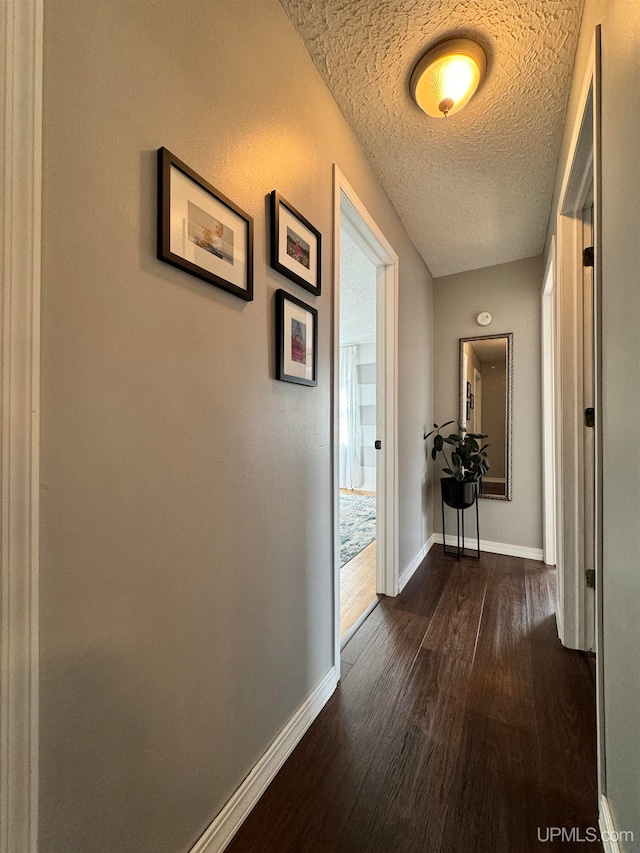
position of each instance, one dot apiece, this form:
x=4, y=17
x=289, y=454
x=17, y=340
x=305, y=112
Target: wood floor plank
x=453, y=630
x=502, y=682
x=420, y=597
x=357, y=586
x=499, y=802
x=331, y=762
x=461, y=726
x=345, y=669
x=424, y=590
x=404, y=798
x=564, y=693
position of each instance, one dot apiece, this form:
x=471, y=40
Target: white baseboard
x=607, y=829
x=408, y=571
x=494, y=547
x=220, y=832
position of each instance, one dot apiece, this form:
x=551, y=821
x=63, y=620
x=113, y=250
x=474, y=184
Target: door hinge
x=591, y=578
x=378, y=444
x=587, y=257
x=590, y=417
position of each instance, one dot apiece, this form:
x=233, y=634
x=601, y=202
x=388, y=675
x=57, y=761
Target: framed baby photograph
x=295, y=245
x=296, y=340
x=201, y=231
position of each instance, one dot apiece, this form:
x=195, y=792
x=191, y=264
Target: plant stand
x=460, y=550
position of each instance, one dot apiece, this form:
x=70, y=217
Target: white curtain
x=350, y=440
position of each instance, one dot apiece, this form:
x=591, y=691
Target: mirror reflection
x=485, y=405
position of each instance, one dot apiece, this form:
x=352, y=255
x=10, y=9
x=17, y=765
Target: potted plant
x=467, y=464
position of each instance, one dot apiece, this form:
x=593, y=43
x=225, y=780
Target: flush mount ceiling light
x=447, y=76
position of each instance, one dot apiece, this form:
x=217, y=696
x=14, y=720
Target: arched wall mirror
x=486, y=378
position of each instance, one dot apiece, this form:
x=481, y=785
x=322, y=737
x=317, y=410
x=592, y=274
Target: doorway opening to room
x=365, y=414
x=358, y=434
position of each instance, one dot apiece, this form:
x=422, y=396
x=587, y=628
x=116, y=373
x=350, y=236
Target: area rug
x=357, y=524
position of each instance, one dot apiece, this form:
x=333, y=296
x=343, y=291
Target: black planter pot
x=458, y=494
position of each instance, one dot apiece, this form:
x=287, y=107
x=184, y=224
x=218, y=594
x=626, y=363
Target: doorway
x=364, y=414
x=358, y=429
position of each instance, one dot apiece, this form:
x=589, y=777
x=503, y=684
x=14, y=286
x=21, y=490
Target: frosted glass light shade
x=447, y=77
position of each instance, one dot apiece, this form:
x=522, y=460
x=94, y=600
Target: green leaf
x=448, y=471
x=438, y=442
x=455, y=458
x=434, y=453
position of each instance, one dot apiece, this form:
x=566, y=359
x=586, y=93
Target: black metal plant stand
x=460, y=550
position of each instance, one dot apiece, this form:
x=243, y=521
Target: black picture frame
x=468, y=389
x=472, y=401
x=296, y=357
x=468, y=412
x=296, y=245
x=201, y=231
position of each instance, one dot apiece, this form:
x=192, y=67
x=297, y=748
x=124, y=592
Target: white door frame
x=580, y=627
x=548, y=408
x=575, y=601
x=605, y=815
x=350, y=213
x=21, y=43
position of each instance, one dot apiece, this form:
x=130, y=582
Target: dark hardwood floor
x=461, y=725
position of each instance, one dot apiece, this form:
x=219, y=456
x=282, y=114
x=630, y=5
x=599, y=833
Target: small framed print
x=295, y=245
x=296, y=340
x=468, y=412
x=468, y=390
x=472, y=401
x=201, y=231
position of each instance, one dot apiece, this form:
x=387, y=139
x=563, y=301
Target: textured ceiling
x=473, y=189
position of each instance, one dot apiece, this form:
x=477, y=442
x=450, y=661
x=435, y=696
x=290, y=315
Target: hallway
x=461, y=725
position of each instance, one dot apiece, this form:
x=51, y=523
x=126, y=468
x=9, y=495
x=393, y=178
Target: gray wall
x=186, y=553
x=621, y=409
x=511, y=294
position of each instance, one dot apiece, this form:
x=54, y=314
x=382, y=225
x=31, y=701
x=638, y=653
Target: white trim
x=494, y=547
x=598, y=282
x=413, y=565
x=607, y=828
x=575, y=602
x=221, y=831
x=349, y=211
x=549, y=476
x=21, y=43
